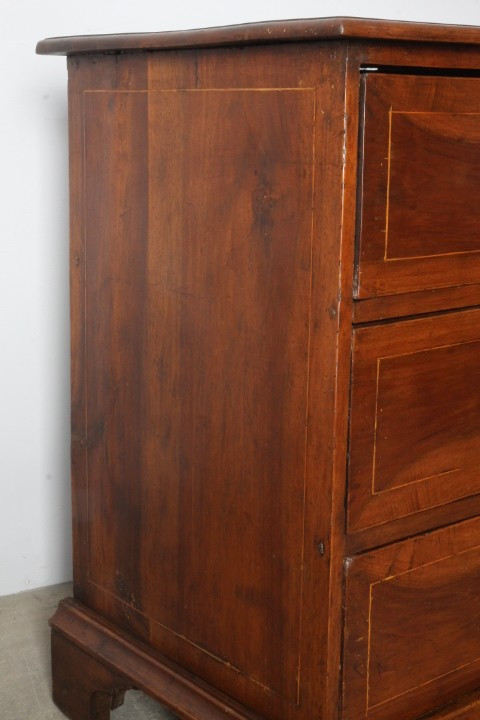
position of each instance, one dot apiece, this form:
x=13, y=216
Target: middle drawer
x=415, y=418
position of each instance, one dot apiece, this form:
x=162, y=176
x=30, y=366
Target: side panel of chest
x=197, y=315
x=197, y=322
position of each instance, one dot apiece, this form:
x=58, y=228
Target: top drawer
x=419, y=184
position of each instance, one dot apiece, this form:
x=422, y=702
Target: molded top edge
x=332, y=28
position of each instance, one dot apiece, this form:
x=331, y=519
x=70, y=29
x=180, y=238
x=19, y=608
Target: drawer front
x=412, y=634
x=415, y=418
x=420, y=183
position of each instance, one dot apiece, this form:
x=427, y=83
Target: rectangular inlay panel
x=420, y=219
x=412, y=635
x=411, y=442
x=218, y=386
x=433, y=162
x=415, y=417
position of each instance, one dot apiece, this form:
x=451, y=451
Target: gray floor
x=25, y=662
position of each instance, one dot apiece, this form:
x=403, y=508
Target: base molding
x=83, y=688
x=94, y=664
x=466, y=708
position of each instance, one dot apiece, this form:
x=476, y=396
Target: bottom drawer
x=412, y=625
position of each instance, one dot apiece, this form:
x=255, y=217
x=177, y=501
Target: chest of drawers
x=275, y=297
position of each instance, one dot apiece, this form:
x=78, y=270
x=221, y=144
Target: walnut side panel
x=117, y=73
x=226, y=357
x=181, y=309
x=116, y=227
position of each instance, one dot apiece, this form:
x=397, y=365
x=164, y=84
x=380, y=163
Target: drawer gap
x=424, y=71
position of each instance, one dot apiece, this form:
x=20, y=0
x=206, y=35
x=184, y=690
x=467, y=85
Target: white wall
x=35, y=542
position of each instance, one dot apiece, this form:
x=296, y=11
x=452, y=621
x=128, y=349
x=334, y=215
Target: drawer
x=414, y=419
x=419, y=184
x=412, y=625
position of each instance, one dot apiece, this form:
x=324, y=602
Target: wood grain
x=416, y=303
x=117, y=73
x=414, y=417
x=331, y=28
x=219, y=296
x=115, y=138
x=408, y=647
x=229, y=295
x=92, y=656
x=419, y=217
x=467, y=708
x=89, y=696
x=179, y=293
x=409, y=525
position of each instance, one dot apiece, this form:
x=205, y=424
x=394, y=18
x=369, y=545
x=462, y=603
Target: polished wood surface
x=220, y=294
x=106, y=656
x=313, y=29
x=386, y=307
x=92, y=694
x=412, y=624
x=219, y=207
x=221, y=301
x=415, y=417
x=419, y=215
x=467, y=708
x=408, y=525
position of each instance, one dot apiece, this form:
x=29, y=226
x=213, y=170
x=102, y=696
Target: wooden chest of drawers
x=275, y=271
